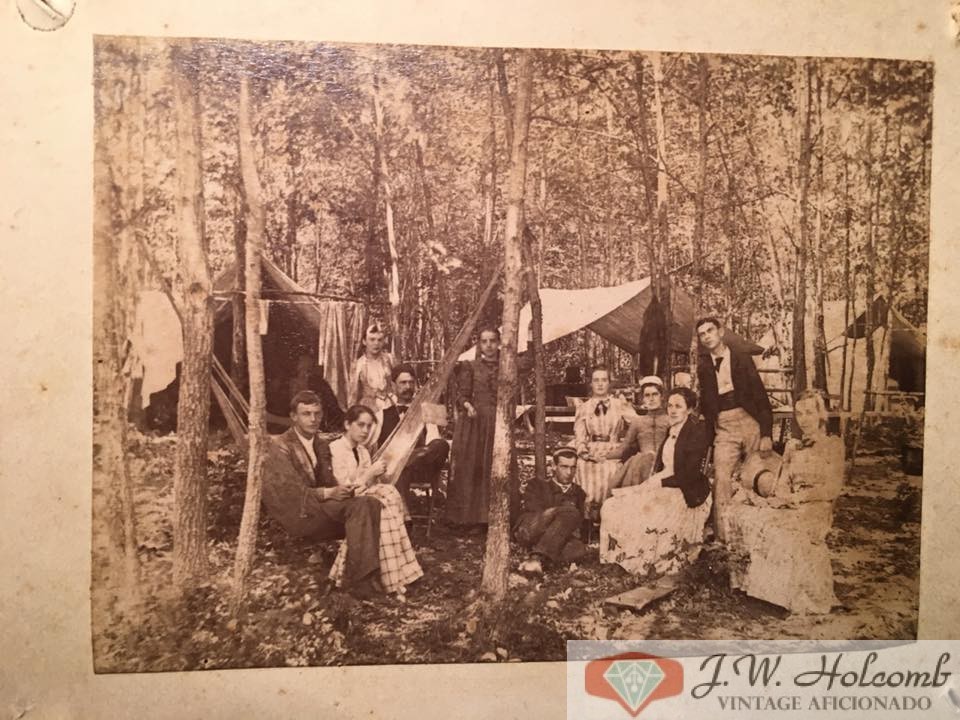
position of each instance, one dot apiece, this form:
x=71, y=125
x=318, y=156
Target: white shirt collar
x=675, y=429
x=724, y=354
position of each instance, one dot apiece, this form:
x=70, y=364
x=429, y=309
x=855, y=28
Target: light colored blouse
x=604, y=425
x=370, y=380
x=346, y=467
x=669, y=449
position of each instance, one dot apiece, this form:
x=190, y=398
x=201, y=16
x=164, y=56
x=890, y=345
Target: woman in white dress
x=352, y=467
x=599, y=424
x=657, y=526
x=778, y=549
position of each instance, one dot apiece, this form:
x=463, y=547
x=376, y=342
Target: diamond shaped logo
x=634, y=680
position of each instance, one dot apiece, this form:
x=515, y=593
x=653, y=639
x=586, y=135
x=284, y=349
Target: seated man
x=431, y=451
x=300, y=492
x=552, y=513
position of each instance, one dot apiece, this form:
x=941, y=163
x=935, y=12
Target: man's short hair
x=304, y=397
x=708, y=319
x=403, y=368
x=564, y=452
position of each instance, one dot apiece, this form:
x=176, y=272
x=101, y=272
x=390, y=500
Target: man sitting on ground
x=430, y=453
x=552, y=513
x=300, y=492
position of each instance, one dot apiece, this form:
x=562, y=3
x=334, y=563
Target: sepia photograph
x=423, y=354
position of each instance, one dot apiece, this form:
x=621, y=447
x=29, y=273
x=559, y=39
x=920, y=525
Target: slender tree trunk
x=193, y=288
x=393, y=284
x=539, y=363
x=873, y=220
x=257, y=433
x=819, y=333
x=703, y=97
x=490, y=186
x=661, y=278
x=848, y=290
x=804, y=71
x=496, y=558
x=238, y=347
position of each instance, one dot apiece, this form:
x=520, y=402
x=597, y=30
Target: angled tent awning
x=615, y=313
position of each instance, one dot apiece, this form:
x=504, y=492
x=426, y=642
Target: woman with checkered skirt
x=352, y=467
x=599, y=424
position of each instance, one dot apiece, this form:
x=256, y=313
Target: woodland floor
x=292, y=618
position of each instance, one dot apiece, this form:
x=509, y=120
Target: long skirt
x=635, y=470
x=398, y=561
x=780, y=555
x=648, y=528
x=468, y=492
x=596, y=477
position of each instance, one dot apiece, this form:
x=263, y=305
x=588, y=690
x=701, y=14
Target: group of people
x=645, y=475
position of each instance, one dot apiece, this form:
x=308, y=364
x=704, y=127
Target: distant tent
x=616, y=314
x=900, y=353
x=300, y=334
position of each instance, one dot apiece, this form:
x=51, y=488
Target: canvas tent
x=615, y=313
x=900, y=353
x=300, y=333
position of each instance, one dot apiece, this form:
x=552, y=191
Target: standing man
x=430, y=453
x=300, y=492
x=552, y=512
x=734, y=403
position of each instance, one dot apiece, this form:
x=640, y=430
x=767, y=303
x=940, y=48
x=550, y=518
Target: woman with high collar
x=644, y=436
x=779, y=523
x=468, y=492
x=599, y=424
x=370, y=375
x=658, y=525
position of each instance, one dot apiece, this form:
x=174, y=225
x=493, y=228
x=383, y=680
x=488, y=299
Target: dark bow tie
x=807, y=442
x=601, y=408
x=402, y=409
x=717, y=362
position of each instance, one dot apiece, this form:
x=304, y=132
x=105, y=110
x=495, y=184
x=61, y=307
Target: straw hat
x=760, y=474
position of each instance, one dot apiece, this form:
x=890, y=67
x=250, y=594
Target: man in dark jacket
x=734, y=403
x=300, y=492
x=552, y=512
x=431, y=451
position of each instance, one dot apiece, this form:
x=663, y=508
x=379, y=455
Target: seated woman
x=352, y=467
x=658, y=525
x=777, y=543
x=644, y=436
x=599, y=423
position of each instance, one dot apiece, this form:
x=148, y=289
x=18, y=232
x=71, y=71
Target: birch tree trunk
x=257, y=433
x=703, y=93
x=662, y=280
x=496, y=558
x=819, y=331
x=393, y=282
x=539, y=362
x=802, y=235
x=192, y=290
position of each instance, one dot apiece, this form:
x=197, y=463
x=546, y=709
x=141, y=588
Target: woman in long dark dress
x=468, y=493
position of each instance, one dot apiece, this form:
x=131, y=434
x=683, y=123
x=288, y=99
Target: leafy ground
x=293, y=618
